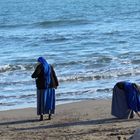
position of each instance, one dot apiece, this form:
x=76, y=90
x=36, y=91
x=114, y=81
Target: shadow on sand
x=58, y=125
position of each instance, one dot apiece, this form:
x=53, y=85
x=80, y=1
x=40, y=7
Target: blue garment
x=119, y=106
x=47, y=70
x=132, y=96
x=40, y=102
x=45, y=101
x=49, y=101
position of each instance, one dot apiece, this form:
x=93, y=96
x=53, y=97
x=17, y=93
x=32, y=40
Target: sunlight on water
x=91, y=44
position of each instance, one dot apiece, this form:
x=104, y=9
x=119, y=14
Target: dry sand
x=86, y=120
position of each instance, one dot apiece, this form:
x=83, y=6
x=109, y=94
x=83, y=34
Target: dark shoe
x=41, y=118
x=131, y=115
x=49, y=117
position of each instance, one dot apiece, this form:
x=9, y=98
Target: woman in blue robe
x=46, y=82
x=126, y=100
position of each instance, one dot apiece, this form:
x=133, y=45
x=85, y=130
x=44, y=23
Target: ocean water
x=92, y=44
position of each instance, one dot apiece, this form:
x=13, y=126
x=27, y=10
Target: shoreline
x=57, y=104
x=86, y=120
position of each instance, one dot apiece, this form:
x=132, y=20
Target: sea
x=92, y=45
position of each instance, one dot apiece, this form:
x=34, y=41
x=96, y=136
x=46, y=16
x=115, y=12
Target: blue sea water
x=92, y=44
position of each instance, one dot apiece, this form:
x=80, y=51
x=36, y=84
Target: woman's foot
x=41, y=118
x=49, y=117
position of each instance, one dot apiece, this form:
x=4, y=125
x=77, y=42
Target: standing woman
x=46, y=82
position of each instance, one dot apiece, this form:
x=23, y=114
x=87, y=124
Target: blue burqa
x=46, y=101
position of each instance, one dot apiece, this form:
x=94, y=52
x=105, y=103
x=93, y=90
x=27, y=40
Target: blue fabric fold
x=49, y=107
x=47, y=71
x=132, y=96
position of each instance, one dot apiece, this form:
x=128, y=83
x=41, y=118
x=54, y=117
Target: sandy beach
x=86, y=120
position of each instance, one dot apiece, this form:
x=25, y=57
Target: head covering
x=47, y=70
